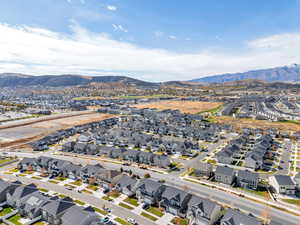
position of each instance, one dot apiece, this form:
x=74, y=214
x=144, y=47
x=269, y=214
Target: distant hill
x=15, y=79
x=285, y=73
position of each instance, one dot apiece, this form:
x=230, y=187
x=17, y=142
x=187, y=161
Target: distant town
x=146, y=153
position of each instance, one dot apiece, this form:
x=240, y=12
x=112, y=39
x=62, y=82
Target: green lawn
x=125, y=206
x=106, y=198
x=180, y=221
x=5, y=211
x=92, y=187
x=132, y=201
x=120, y=221
x=103, y=212
x=39, y=223
x=36, y=178
x=53, y=181
x=77, y=183
x=292, y=201
x=62, y=196
x=60, y=178
x=87, y=191
x=114, y=194
x=155, y=211
x=43, y=190
x=15, y=219
x=150, y=217
x=79, y=202
x=4, y=161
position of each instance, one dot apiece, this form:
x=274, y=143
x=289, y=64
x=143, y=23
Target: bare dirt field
x=183, y=106
x=21, y=134
x=263, y=124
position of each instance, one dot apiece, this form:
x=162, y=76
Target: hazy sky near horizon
x=154, y=40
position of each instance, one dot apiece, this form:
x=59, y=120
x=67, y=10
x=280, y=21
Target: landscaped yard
x=87, y=191
x=53, y=181
x=150, y=217
x=114, y=194
x=43, y=190
x=292, y=201
x=101, y=211
x=132, y=201
x=36, y=178
x=39, y=223
x=107, y=198
x=180, y=221
x=5, y=211
x=15, y=219
x=120, y=221
x=79, y=202
x=77, y=183
x=155, y=211
x=60, y=178
x=4, y=161
x=69, y=186
x=262, y=193
x=125, y=206
x=62, y=196
x=92, y=187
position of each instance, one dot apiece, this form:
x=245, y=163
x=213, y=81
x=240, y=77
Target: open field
x=19, y=134
x=264, y=124
x=183, y=106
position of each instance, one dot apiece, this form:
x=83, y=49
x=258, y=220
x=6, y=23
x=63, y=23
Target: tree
x=147, y=175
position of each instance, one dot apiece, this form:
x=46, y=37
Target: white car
x=131, y=220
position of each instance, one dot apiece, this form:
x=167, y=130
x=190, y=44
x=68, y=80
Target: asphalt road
x=214, y=194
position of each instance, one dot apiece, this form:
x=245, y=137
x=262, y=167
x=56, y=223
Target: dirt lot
x=263, y=124
x=19, y=135
x=183, y=106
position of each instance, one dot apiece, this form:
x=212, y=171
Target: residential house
x=203, y=169
x=283, y=184
x=126, y=185
x=203, y=211
x=79, y=216
x=108, y=178
x=31, y=204
x=175, y=201
x=27, y=164
x=131, y=155
x=149, y=191
x=14, y=198
x=247, y=179
x=7, y=187
x=89, y=172
x=72, y=171
x=55, y=209
x=235, y=217
x=224, y=174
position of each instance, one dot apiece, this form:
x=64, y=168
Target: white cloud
x=111, y=7
x=158, y=34
x=119, y=28
x=172, y=37
x=69, y=1
x=39, y=51
x=82, y=2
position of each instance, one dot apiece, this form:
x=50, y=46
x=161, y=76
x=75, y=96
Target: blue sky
x=153, y=40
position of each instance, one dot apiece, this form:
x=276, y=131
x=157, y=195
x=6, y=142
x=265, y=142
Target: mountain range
x=285, y=73
x=17, y=79
x=278, y=74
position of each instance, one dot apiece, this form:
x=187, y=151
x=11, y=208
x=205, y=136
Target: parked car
x=145, y=206
x=131, y=221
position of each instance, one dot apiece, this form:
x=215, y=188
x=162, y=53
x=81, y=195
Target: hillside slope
x=285, y=73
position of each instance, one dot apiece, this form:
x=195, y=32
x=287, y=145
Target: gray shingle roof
x=284, y=180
